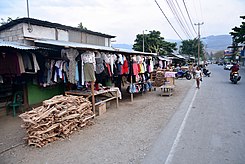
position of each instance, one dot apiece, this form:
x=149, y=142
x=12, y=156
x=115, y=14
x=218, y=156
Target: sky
x=127, y=18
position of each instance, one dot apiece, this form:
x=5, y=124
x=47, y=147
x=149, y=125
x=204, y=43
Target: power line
x=189, y=16
x=176, y=14
x=184, y=19
x=168, y=20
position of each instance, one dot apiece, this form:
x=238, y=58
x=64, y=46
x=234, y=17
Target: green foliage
x=238, y=33
x=190, y=47
x=154, y=43
x=80, y=25
x=218, y=54
x=7, y=21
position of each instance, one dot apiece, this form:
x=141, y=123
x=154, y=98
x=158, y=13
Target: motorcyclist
x=234, y=68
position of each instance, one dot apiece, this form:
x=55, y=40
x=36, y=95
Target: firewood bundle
x=57, y=118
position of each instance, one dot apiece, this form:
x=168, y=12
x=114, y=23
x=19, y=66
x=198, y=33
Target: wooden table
x=166, y=90
x=107, y=94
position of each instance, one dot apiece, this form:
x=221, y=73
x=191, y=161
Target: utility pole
x=198, y=53
x=144, y=40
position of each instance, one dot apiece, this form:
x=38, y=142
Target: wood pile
x=159, y=80
x=57, y=118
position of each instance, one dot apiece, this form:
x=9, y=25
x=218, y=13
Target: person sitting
x=234, y=68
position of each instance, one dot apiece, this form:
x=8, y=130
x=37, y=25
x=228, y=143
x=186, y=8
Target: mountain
x=213, y=43
x=123, y=46
x=217, y=43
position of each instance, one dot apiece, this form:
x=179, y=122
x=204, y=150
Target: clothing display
x=89, y=72
x=71, y=55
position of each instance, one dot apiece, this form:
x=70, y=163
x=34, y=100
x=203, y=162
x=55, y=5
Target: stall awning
x=17, y=45
x=89, y=46
x=73, y=44
x=163, y=58
x=134, y=52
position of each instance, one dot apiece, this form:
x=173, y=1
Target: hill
x=213, y=43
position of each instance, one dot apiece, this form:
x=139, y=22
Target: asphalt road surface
x=208, y=128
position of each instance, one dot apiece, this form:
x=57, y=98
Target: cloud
x=126, y=18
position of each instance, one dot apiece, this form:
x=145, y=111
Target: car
x=220, y=63
x=228, y=66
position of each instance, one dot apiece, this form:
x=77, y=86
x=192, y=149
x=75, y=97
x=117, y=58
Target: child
x=198, y=76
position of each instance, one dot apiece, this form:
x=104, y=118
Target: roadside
x=122, y=135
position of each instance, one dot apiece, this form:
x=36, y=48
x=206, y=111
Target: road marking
x=176, y=141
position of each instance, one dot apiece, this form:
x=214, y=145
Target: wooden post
x=117, y=99
x=93, y=99
x=131, y=78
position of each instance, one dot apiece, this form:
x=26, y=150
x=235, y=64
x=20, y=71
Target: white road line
x=176, y=141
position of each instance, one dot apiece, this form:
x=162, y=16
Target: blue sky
x=127, y=18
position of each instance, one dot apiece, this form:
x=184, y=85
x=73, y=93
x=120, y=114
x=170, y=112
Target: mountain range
x=212, y=43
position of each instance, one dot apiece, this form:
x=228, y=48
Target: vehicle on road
x=183, y=74
x=206, y=72
x=228, y=66
x=220, y=63
x=235, y=77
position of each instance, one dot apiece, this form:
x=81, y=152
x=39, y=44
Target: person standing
x=198, y=76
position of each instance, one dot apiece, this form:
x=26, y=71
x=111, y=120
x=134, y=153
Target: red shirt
x=234, y=68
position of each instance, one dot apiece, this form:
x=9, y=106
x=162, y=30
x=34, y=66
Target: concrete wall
x=45, y=33
x=93, y=39
x=14, y=34
x=18, y=32
x=75, y=36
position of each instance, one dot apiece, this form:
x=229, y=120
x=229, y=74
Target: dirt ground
x=121, y=135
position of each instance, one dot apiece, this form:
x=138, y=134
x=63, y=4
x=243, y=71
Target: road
x=209, y=126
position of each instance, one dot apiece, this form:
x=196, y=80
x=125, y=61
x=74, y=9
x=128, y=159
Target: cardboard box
x=100, y=109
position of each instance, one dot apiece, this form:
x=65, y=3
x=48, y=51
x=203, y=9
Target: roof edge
x=50, y=24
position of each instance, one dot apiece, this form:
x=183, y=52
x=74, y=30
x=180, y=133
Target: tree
x=218, y=55
x=7, y=21
x=80, y=25
x=238, y=36
x=190, y=48
x=154, y=43
x=238, y=33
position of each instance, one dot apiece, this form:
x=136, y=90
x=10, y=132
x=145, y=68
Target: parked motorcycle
x=206, y=72
x=183, y=74
x=235, y=77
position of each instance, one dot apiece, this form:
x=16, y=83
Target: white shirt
x=198, y=73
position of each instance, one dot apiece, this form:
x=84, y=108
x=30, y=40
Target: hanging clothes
x=27, y=62
x=71, y=55
x=36, y=66
x=21, y=64
x=89, y=72
x=89, y=67
x=9, y=64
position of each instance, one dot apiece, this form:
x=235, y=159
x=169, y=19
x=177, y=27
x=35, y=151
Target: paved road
x=209, y=127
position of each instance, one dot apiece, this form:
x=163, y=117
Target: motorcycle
x=206, y=72
x=182, y=74
x=235, y=77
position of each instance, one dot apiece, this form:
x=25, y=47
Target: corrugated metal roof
x=134, y=52
x=17, y=45
x=163, y=58
x=89, y=46
x=73, y=44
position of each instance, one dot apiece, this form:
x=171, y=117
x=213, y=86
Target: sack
x=200, y=79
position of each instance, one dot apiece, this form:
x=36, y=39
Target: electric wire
x=186, y=23
x=173, y=9
x=168, y=20
x=192, y=24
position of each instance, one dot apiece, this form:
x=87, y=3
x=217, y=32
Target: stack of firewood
x=159, y=80
x=57, y=118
